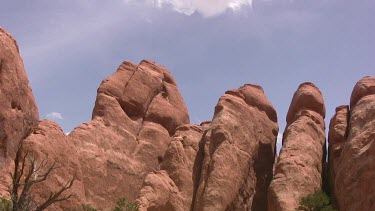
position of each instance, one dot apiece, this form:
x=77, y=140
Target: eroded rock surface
x=235, y=161
x=337, y=136
x=298, y=171
x=136, y=112
x=352, y=158
x=18, y=110
x=176, y=172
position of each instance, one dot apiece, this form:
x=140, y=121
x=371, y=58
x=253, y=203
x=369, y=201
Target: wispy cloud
x=54, y=116
x=207, y=8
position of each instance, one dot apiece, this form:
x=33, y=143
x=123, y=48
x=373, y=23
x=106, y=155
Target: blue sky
x=70, y=46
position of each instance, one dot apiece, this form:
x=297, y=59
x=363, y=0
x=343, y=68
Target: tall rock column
x=234, y=163
x=352, y=156
x=298, y=171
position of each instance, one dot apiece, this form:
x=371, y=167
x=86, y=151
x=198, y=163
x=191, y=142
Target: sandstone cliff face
x=18, y=111
x=352, y=156
x=171, y=188
x=237, y=153
x=137, y=109
x=298, y=171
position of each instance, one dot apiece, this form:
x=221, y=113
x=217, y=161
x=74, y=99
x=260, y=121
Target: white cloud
x=279, y=142
x=54, y=116
x=207, y=8
x=279, y=138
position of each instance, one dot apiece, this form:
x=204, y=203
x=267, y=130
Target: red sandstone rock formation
x=49, y=142
x=352, y=155
x=137, y=109
x=336, y=137
x=18, y=111
x=237, y=154
x=298, y=171
x=171, y=188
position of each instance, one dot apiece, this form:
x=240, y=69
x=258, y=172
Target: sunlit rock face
x=299, y=168
x=18, y=110
x=136, y=112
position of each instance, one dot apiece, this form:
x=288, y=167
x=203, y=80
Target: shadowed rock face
x=234, y=164
x=298, y=171
x=352, y=156
x=18, y=111
x=137, y=109
x=171, y=188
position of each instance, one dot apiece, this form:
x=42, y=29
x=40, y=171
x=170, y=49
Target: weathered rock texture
x=18, y=111
x=171, y=188
x=234, y=164
x=352, y=155
x=298, y=171
x=49, y=142
x=136, y=112
x=336, y=137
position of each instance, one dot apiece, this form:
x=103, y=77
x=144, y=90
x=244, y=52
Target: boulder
x=299, y=168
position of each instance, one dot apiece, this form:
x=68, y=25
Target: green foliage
x=123, y=205
x=87, y=207
x=5, y=204
x=319, y=201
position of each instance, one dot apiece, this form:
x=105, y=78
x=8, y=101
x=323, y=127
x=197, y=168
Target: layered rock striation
x=352, y=150
x=299, y=168
x=235, y=160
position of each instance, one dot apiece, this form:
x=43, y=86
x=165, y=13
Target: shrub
x=5, y=204
x=123, y=205
x=87, y=207
x=319, y=201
